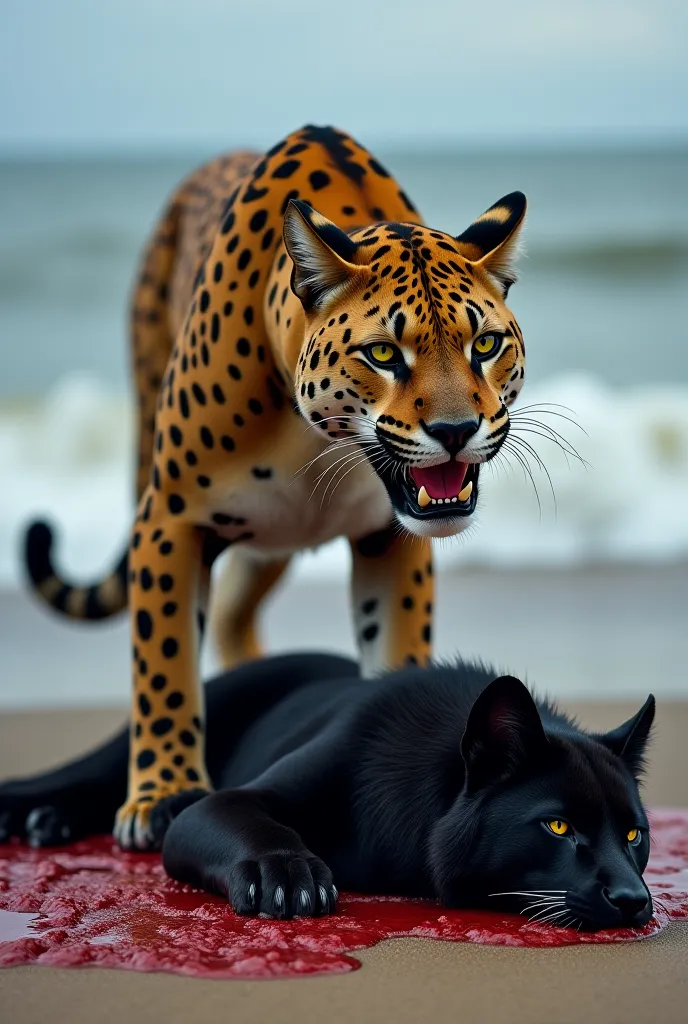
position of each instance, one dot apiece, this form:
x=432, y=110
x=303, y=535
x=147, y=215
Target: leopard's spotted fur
x=254, y=313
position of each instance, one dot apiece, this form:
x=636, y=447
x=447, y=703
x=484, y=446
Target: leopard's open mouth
x=433, y=492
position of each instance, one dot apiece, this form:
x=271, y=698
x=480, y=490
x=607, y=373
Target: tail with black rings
x=88, y=603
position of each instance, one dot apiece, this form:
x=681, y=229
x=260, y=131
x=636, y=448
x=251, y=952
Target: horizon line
x=438, y=144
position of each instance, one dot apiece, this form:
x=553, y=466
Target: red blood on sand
x=89, y=904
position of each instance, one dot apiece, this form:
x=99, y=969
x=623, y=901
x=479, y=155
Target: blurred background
x=104, y=107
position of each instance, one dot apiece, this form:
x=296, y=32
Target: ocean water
x=601, y=301
x=69, y=459
x=602, y=284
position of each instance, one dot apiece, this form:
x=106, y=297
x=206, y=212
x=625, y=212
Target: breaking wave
x=69, y=458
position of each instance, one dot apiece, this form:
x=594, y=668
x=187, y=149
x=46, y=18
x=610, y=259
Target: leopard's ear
x=321, y=253
x=491, y=242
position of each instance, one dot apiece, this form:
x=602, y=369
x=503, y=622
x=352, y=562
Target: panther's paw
x=31, y=812
x=38, y=826
x=283, y=885
x=48, y=826
x=141, y=823
x=165, y=811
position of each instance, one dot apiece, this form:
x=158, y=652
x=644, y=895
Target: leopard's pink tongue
x=443, y=481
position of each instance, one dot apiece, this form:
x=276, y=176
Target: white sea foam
x=69, y=459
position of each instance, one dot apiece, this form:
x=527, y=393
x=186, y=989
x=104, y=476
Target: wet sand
x=599, y=639
x=404, y=980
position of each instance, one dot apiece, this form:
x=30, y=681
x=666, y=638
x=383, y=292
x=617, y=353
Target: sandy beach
x=600, y=639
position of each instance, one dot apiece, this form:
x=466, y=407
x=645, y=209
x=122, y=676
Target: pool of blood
x=89, y=904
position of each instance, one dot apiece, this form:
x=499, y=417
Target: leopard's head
x=411, y=351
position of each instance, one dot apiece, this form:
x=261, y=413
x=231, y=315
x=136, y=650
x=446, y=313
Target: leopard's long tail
x=151, y=344
x=91, y=602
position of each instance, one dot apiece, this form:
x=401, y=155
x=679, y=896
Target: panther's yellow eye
x=486, y=345
x=383, y=353
x=634, y=836
x=560, y=828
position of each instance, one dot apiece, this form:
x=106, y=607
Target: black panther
x=449, y=782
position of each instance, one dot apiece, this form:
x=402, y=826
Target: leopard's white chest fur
x=305, y=493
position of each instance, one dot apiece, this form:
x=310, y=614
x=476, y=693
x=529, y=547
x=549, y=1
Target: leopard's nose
x=452, y=436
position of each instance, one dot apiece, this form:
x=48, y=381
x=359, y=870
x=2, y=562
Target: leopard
x=311, y=362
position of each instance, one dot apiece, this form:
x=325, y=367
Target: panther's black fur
x=428, y=782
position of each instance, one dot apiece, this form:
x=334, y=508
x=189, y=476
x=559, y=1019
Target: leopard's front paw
x=141, y=823
x=282, y=885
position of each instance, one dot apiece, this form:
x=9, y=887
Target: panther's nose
x=453, y=436
x=628, y=901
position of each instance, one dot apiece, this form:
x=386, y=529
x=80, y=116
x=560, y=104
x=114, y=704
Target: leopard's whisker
x=335, y=445
x=529, y=448
x=364, y=458
x=333, y=468
x=540, y=409
x=520, y=457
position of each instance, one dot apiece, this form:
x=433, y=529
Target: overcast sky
x=173, y=74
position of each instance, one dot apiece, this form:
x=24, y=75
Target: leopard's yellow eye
x=560, y=828
x=634, y=836
x=486, y=345
x=383, y=353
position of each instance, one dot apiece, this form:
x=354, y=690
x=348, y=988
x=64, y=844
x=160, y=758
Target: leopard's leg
x=245, y=579
x=167, y=737
x=392, y=585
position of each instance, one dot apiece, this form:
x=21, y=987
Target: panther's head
x=410, y=349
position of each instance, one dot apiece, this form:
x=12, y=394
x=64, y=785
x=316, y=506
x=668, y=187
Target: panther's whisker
x=541, y=908
x=551, y=902
x=661, y=904
x=527, y=892
x=545, y=897
x=548, y=917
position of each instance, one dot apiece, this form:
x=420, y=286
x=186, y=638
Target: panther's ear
x=321, y=253
x=629, y=740
x=491, y=242
x=503, y=729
